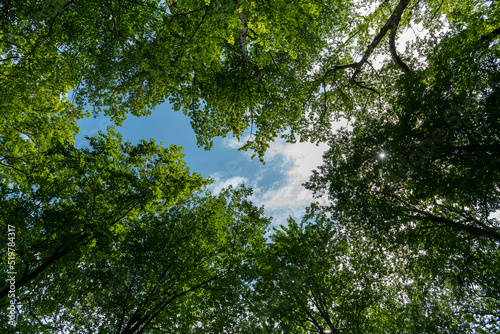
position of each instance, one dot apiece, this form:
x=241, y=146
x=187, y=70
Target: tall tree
x=227, y=64
x=160, y=272
x=417, y=174
x=275, y=69
x=312, y=281
x=322, y=277
x=424, y=172
x=65, y=200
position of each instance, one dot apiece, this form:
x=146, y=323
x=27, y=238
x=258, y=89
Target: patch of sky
x=277, y=185
x=169, y=127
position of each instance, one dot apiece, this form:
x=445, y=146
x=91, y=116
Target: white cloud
x=232, y=143
x=286, y=196
x=224, y=180
x=289, y=198
x=495, y=215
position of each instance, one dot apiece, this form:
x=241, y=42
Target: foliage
x=424, y=174
x=272, y=69
x=123, y=238
x=313, y=280
x=230, y=66
x=65, y=202
x=160, y=272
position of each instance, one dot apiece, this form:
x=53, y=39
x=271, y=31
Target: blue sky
x=276, y=185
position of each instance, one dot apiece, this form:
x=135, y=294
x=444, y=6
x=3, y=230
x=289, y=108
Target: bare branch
x=357, y=83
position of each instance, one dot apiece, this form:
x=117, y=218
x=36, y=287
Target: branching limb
x=243, y=40
x=58, y=253
x=145, y=321
x=392, y=47
x=490, y=233
x=357, y=83
x=196, y=29
x=491, y=35
x=124, y=306
x=30, y=310
x=390, y=24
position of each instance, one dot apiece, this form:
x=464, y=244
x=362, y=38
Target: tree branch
x=392, y=47
x=30, y=310
x=145, y=321
x=491, y=35
x=243, y=39
x=489, y=232
x=124, y=306
x=59, y=252
x=390, y=24
x=366, y=87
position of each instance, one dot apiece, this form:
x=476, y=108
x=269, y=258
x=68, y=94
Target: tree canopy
x=120, y=232
x=273, y=68
x=120, y=237
x=423, y=171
